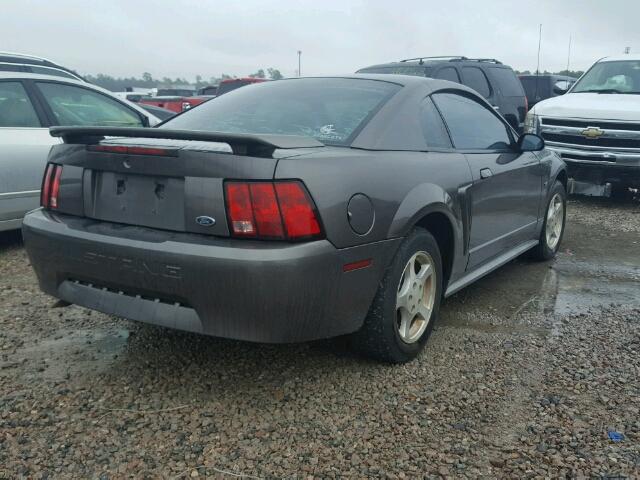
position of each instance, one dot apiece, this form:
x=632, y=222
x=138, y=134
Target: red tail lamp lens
x=271, y=210
x=297, y=210
x=266, y=210
x=46, y=186
x=51, y=186
x=55, y=187
x=240, y=210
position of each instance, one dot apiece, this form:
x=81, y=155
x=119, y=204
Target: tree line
x=120, y=84
x=566, y=73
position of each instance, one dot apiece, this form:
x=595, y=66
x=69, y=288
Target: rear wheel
x=406, y=305
x=553, y=227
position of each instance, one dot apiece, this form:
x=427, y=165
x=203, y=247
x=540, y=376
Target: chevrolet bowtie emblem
x=592, y=133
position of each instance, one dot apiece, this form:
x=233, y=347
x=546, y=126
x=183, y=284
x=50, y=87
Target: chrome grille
x=591, y=134
x=592, y=141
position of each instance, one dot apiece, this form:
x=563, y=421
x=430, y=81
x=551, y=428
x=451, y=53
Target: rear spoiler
x=240, y=143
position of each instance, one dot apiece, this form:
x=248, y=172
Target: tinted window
x=433, y=127
x=396, y=69
x=474, y=78
x=448, y=73
x=73, y=105
x=16, y=109
x=472, y=125
x=536, y=88
x=507, y=82
x=328, y=109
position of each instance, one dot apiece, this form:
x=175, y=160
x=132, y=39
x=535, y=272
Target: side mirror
x=530, y=143
x=561, y=87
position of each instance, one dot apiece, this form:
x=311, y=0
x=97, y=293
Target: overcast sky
x=189, y=37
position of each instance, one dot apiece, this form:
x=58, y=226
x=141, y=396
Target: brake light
x=51, y=186
x=55, y=187
x=46, y=186
x=298, y=213
x=133, y=150
x=271, y=210
x=240, y=210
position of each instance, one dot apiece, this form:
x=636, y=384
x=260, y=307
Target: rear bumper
x=257, y=291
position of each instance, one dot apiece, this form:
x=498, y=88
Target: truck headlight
x=531, y=123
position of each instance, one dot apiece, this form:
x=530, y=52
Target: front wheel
x=554, y=223
x=406, y=305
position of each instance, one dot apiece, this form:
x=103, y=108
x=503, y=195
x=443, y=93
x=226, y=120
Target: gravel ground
x=527, y=375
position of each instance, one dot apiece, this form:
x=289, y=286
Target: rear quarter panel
x=402, y=187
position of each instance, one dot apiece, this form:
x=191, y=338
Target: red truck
x=180, y=103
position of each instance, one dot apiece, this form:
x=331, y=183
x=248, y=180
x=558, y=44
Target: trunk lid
x=171, y=184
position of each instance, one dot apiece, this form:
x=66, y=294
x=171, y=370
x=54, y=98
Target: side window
x=448, y=73
x=476, y=79
x=472, y=125
x=79, y=106
x=433, y=128
x=16, y=109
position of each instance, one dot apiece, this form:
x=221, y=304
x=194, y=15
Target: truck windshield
x=329, y=109
x=611, y=77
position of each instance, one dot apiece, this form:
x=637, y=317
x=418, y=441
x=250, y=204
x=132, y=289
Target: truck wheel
x=406, y=305
x=553, y=227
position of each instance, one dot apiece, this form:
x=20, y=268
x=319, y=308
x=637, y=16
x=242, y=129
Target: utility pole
x=569, y=55
x=539, y=45
x=299, y=63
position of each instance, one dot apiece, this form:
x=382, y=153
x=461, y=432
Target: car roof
x=617, y=58
x=438, y=61
x=40, y=76
x=32, y=60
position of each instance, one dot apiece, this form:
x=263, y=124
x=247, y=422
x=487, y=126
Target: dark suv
x=490, y=78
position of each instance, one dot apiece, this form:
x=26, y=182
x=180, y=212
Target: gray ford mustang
x=296, y=210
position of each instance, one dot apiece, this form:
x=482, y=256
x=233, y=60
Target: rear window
x=536, y=88
x=397, y=70
x=331, y=110
x=507, y=82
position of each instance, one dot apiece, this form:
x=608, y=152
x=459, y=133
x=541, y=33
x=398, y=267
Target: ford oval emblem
x=205, y=221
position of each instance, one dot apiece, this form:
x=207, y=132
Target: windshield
x=328, y=109
x=611, y=77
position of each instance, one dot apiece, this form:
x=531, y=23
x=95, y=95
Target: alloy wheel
x=555, y=219
x=415, y=297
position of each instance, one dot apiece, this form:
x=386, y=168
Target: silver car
x=29, y=105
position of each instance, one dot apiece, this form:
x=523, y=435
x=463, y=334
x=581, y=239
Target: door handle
x=496, y=107
x=486, y=173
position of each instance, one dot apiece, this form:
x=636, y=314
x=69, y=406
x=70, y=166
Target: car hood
x=603, y=106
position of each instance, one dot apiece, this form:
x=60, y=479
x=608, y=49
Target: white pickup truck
x=595, y=127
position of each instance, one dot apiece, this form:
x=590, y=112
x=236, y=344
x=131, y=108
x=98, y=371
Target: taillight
x=298, y=213
x=46, y=186
x=271, y=210
x=133, y=150
x=51, y=186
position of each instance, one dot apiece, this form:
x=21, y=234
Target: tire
x=393, y=334
x=548, y=246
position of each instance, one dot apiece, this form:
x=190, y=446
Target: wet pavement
x=527, y=372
